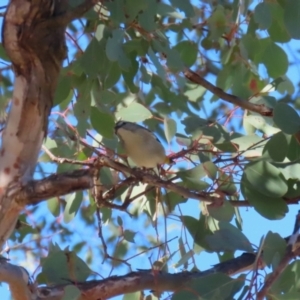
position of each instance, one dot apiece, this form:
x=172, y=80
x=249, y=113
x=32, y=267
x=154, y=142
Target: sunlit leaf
x=134, y=113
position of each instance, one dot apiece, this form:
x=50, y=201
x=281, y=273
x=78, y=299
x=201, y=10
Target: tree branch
x=64, y=183
x=147, y=279
x=17, y=279
x=54, y=186
x=258, y=108
x=57, y=185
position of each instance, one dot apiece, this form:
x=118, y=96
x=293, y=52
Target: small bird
x=141, y=145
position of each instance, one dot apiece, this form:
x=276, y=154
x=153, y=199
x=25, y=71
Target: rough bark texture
x=36, y=52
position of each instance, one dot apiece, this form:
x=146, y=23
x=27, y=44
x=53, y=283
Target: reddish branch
x=259, y=108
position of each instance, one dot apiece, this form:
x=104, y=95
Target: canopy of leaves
x=128, y=60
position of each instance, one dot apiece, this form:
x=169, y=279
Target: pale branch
x=243, y=103
x=145, y=280
x=17, y=279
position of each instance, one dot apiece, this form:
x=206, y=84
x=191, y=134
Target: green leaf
x=140, y=46
x=62, y=90
x=120, y=221
x=146, y=75
x=73, y=203
x=116, y=11
x=160, y=70
x=188, y=52
x=82, y=107
x=135, y=112
x=266, y=178
x=253, y=143
x=262, y=15
x=228, y=238
x=60, y=266
x=291, y=18
x=184, y=259
x=129, y=73
x=91, y=60
x=224, y=212
x=259, y=122
x=288, y=281
x=294, y=149
x=286, y=118
x=114, y=45
x=133, y=8
x=271, y=208
x=113, y=75
x=290, y=170
x=71, y=292
x=276, y=148
x=226, y=183
x=103, y=123
x=278, y=31
x=274, y=244
x=194, y=92
x=129, y=236
x=147, y=16
x=217, y=23
x=170, y=128
x=54, y=206
x=275, y=59
x=174, y=61
x=199, y=230
x=206, y=169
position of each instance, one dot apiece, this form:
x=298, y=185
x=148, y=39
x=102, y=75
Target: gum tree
x=210, y=78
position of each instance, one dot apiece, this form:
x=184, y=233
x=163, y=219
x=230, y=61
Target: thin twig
x=62, y=160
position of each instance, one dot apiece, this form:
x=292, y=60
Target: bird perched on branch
x=141, y=145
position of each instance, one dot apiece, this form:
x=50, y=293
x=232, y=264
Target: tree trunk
x=36, y=51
